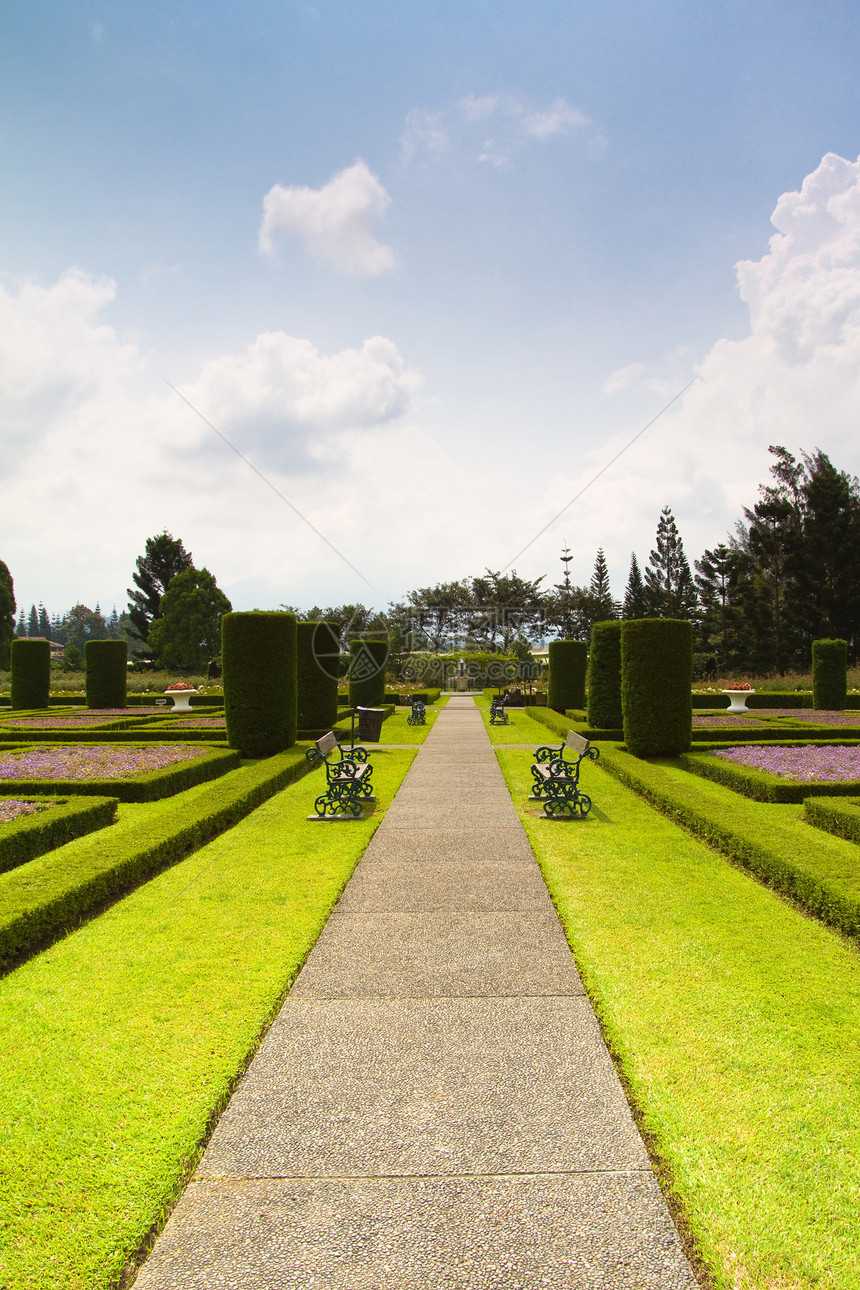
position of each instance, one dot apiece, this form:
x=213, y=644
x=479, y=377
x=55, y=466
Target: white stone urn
x=181, y=699
x=738, y=699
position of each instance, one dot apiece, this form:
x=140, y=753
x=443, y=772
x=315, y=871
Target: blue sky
x=428, y=268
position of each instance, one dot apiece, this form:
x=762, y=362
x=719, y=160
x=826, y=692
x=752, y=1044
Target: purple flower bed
x=11, y=809
x=727, y=720
x=205, y=723
x=815, y=718
x=83, y=762
x=808, y=763
x=56, y=723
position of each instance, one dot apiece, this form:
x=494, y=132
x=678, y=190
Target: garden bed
x=130, y=772
x=780, y=772
x=53, y=821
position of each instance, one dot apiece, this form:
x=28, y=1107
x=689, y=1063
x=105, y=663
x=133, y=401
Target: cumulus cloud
x=334, y=221
x=513, y=120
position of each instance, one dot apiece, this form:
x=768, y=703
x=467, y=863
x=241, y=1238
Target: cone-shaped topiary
x=367, y=659
x=567, y=666
x=31, y=673
x=318, y=660
x=604, y=676
x=258, y=660
x=656, y=685
x=107, y=673
x=829, y=674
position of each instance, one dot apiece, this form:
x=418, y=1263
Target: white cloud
x=515, y=122
x=334, y=221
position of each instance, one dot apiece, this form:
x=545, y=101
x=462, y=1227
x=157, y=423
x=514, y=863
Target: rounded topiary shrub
x=604, y=676
x=367, y=659
x=31, y=673
x=318, y=659
x=567, y=665
x=258, y=661
x=656, y=685
x=829, y=674
x=107, y=673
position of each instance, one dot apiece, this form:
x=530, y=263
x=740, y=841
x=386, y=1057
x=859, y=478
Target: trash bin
x=370, y=724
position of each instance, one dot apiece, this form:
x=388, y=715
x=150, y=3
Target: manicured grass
x=522, y=728
x=122, y=1041
x=396, y=730
x=736, y=1022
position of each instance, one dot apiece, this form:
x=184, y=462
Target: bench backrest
x=327, y=744
x=576, y=742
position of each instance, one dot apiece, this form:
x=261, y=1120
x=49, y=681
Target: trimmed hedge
x=150, y=787
x=51, y=895
x=568, y=661
x=656, y=675
x=317, y=663
x=258, y=658
x=759, y=784
x=120, y=732
x=367, y=659
x=823, y=885
x=28, y=836
x=106, y=664
x=31, y=673
x=829, y=674
x=604, y=676
x=839, y=818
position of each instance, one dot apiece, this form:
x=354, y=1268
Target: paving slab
x=408, y=955
x=434, y=1105
x=558, y=1232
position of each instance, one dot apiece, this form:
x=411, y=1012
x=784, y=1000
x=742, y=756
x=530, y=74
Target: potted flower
x=738, y=692
x=180, y=692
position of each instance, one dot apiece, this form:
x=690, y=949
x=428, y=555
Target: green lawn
x=522, y=729
x=736, y=1023
x=122, y=1041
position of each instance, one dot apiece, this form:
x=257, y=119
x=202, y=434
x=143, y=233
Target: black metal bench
x=498, y=715
x=418, y=715
x=347, y=777
x=556, y=779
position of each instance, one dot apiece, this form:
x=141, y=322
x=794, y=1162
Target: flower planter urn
x=181, y=699
x=738, y=699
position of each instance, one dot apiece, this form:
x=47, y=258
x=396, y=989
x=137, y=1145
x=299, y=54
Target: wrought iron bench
x=418, y=715
x=498, y=715
x=556, y=779
x=348, y=780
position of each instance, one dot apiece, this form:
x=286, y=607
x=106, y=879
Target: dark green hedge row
x=106, y=664
x=604, y=676
x=758, y=784
x=29, y=836
x=30, y=686
x=49, y=896
x=150, y=787
x=568, y=663
x=656, y=685
x=317, y=668
x=841, y=818
x=833, y=897
x=367, y=660
x=429, y=695
x=258, y=657
x=829, y=674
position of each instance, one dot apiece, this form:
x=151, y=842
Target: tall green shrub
x=318, y=652
x=106, y=663
x=31, y=673
x=367, y=659
x=829, y=674
x=656, y=681
x=258, y=658
x=604, y=676
x=567, y=665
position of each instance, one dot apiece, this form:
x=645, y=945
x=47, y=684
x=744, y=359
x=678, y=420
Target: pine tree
x=113, y=625
x=21, y=627
x=44, y=622
x=670, y=590
x=717, y=582
x=7, y=615
x=33, y=622
x=635, y=598
x=163, y=558
x=603, y=605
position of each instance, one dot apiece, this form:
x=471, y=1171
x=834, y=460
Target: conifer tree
x=163, y=558
x=33, y=622
x=669, y=586
x=635, y=599
x=7, y=615
x=21, y=627
x=44, y=622
x=603, y=606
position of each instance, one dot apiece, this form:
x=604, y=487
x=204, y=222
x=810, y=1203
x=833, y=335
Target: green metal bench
x=347, y=778
x=498, y=715
x=418, y=715
x=556, y=779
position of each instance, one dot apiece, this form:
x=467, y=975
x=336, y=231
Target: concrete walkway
x=434, y=1105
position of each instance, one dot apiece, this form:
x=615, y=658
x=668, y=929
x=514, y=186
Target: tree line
x=788, y=574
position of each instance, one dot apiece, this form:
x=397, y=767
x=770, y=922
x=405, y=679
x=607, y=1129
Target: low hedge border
x=157, y=733
x=149, y=787
x=760, y=785
x=793, y=876
x=573, y=719
x=839, y=818
x=29, y=836
x=54, y=894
